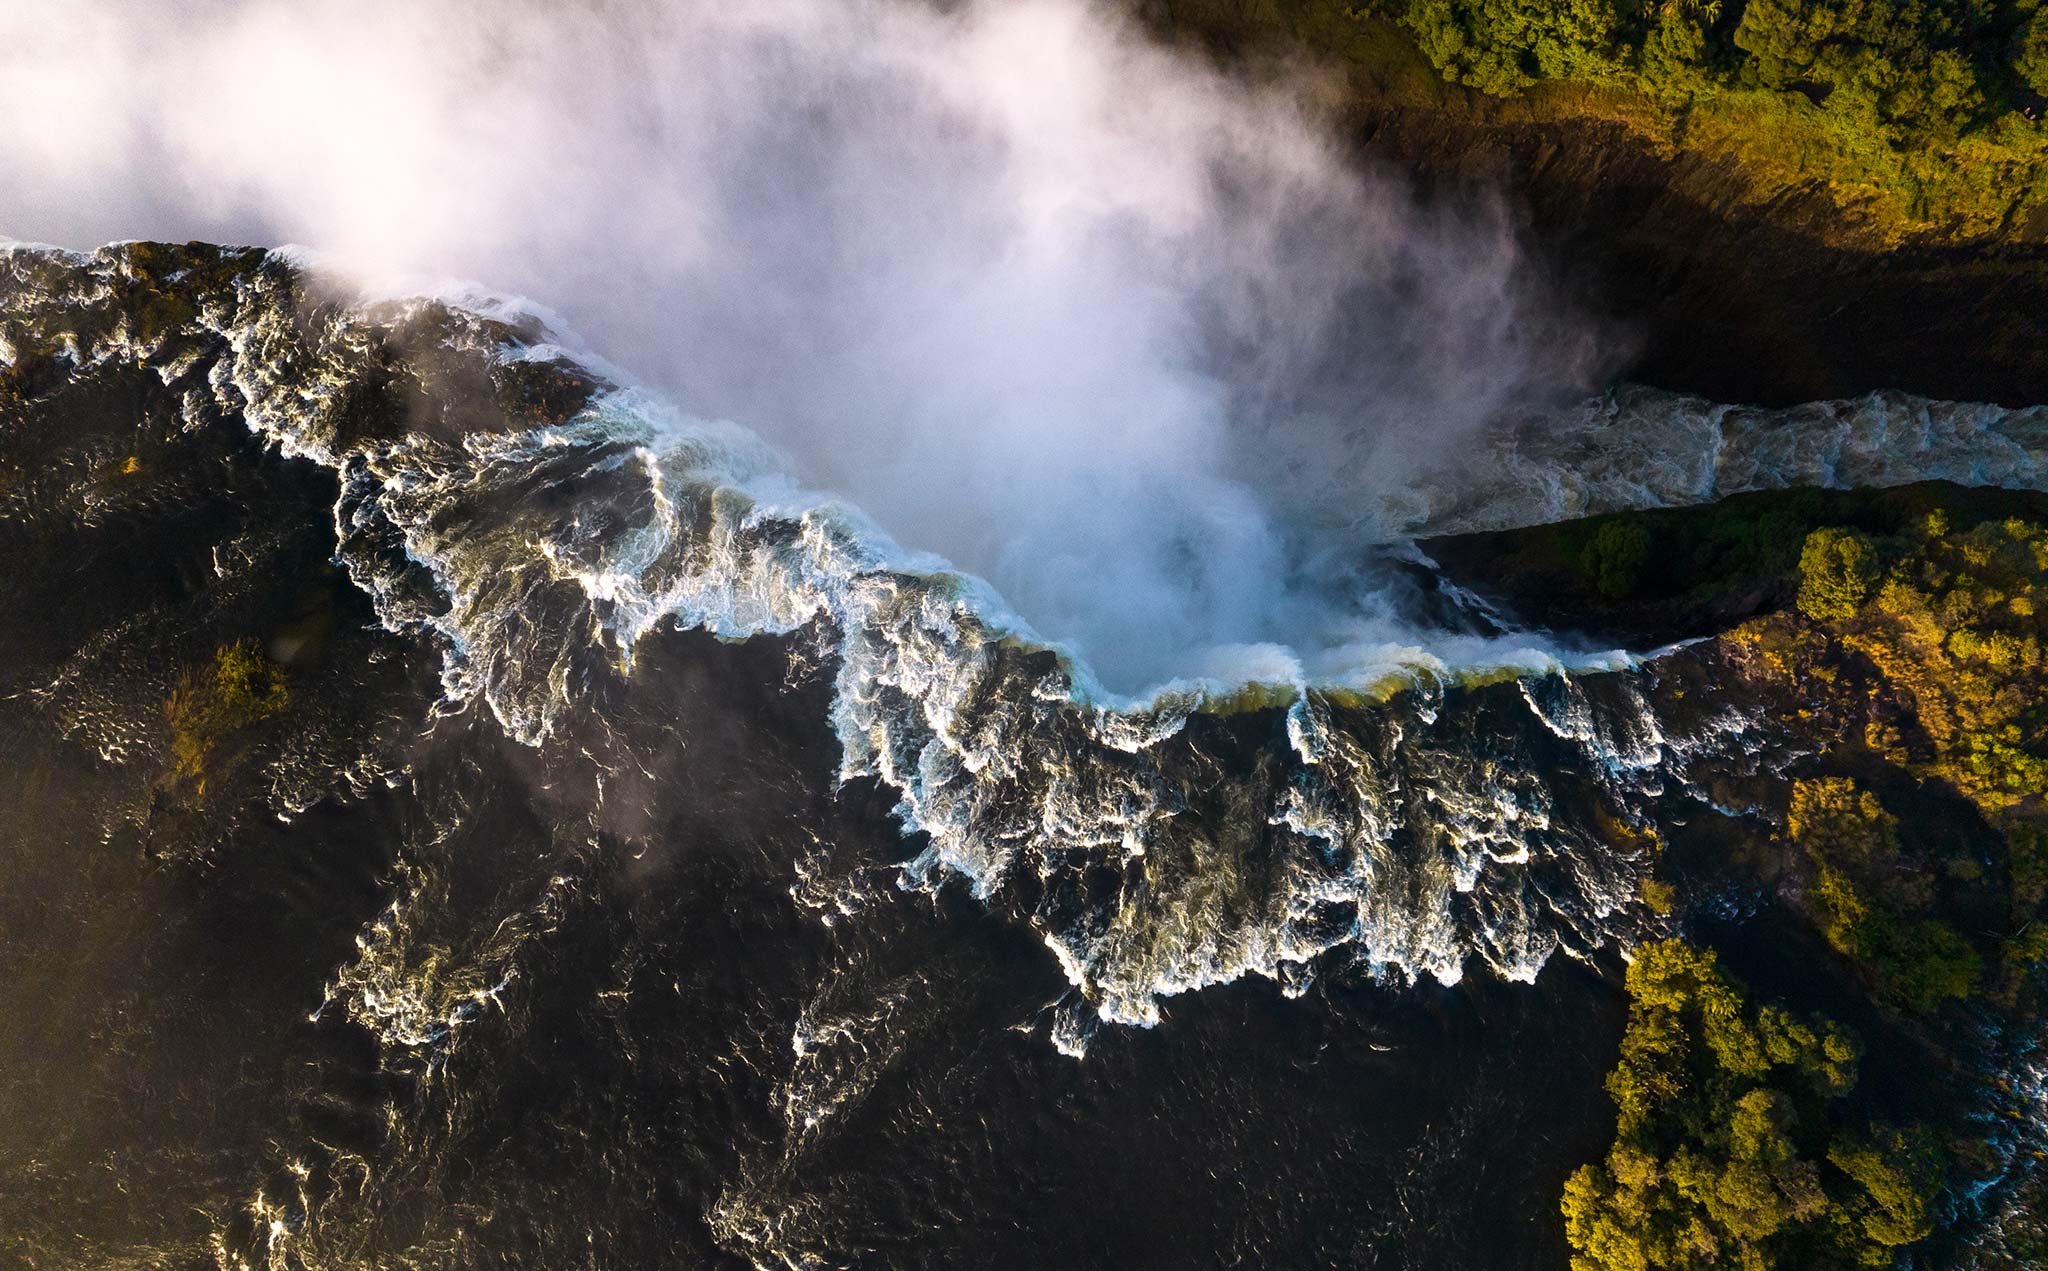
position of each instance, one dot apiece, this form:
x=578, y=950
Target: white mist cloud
x=1124, y=335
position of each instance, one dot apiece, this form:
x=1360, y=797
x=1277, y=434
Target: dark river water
x=517, y=942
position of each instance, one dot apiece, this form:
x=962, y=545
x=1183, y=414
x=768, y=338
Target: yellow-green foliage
x=1872, y=906
x=1502, y=46
x=1661, y=897
x=1953, y=630
x=1956, y=628
x=1916, y=119
x=1921, y=113
x=1840, y=829
x=2030, y=58
x=239, y=689
x=1895, y=1172
x=1836, y=568
x=1725, y=1153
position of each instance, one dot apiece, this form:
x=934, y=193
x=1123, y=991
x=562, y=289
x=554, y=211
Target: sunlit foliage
x=1942, y=629
x=1499, y=46
x=1728, y=1149
x=1905, y=72
x=2030, y=54
x=1956, y=626
x=1874, y=907
x=240, y=688
x=1836, y=568
x=1874, y=96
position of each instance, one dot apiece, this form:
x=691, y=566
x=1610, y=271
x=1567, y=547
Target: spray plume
x=1124, y=335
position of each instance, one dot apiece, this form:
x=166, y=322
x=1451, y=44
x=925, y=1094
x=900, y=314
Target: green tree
x=1870, y=903
x=2030, y=53
x=1503, y=46
x=1897, y=1174
x=1677, y=48
x=1836, y=569
x=1726, y=1152
x=1615, y=558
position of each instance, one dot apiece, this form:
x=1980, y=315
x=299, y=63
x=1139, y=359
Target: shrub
x=1660, y=896
x=1614, y=559
x=241, y=688
x=2030, y=53
x=1836, y=569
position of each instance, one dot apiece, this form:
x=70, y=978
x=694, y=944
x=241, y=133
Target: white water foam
x=1385, y=822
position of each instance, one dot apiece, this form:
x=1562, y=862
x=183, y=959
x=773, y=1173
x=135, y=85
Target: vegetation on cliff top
x=1924, y=116
x=1928, y=646
x=1952, y=625
x=1907, y=640
x=1648, y=577
x=1731, y=1147
x=1932, y=104
x=1958, y=626
x=1836, y=568
x=1874, y=904
x=1903, y=72
x=1615, y=558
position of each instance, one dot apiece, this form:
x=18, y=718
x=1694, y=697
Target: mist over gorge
x=1132, y=340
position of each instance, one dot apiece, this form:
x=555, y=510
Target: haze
x=1124, y=335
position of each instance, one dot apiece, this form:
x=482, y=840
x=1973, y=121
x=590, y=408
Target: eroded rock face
x=1719, y=281
x=1770, y=301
